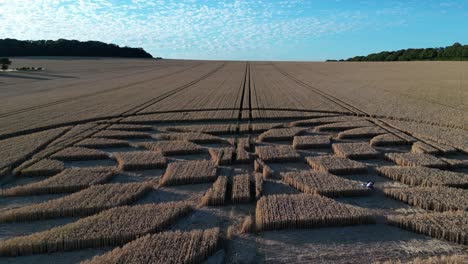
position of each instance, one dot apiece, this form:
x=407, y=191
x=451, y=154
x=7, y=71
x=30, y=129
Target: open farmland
x=232, y=162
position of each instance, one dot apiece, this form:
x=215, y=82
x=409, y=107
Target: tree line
x=456, y=52
x=63, y=47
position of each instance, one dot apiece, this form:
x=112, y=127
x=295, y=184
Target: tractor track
x=242, y=97
x=113, y=89
x=327, y=96
x=358, y=112
x=77, y=138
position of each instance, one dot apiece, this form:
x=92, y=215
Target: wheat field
x=184, y=161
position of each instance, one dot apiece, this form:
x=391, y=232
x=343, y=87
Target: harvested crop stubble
x=451, y=226
x=130, y=127
x=217, y=194
x=361, y=150
x=307, y=211
x=113, y=227
x=324, y=120
x=119, y=134
x=388, y=140
x=324, y=183
x=189, y=172
x=165, y=248
x=341, y=126
x=102, y=143
x=452, y=259
x=45, y=167
x=336, y=165
x=421, y=147
x=140, y=160
x=280, y=134
x=78, y=153
x=424, y=176
x=69, y=180
x=361, y=132
x=241, y=189
x=86, y=202
x=416, y=159
x=277, y=153
x=258, y=185
x=172, y=147
x=436, y=198
x=309, y=142
x=221, y=156
x=194, y=137
x=4, y=172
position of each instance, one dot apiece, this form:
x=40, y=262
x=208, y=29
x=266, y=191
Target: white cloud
x=170, y=28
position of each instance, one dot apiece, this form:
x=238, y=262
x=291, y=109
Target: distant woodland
x=63, y=47
x=456, y=52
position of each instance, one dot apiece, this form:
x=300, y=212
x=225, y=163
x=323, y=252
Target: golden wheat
x=324, y=183
x=86, y=202
x=45, y=167
x=69, y=180
x=172, y=147
x=336, y=165
x=117, y=134
x=421, y=147
x=241, y=189
x=78, y=153
x=361, y=132
x=361, y=150
x=221, y=156
x=424, y=176
x=324, y=120
x=387, y=140
x=242, y=154
x=437, y=198
x=258, y=185
x=189, y=172
x=216, y=195
x=166, y=248
x=195, y=137
x=451, y=226
x=140, y=160
x=102, y=143
x=416, y=159
x=263, y=168
x=310, y=142
x=306, y=211
x=280, y=134
x=130, y=127
x=341, y=126
x=113, y=227
x=279, y=153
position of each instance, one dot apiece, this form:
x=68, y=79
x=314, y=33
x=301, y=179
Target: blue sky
x=243, y=30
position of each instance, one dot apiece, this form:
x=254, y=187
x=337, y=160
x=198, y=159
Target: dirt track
x=268, y=103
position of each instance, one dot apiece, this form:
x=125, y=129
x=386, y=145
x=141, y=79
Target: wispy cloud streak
x=190, y=28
